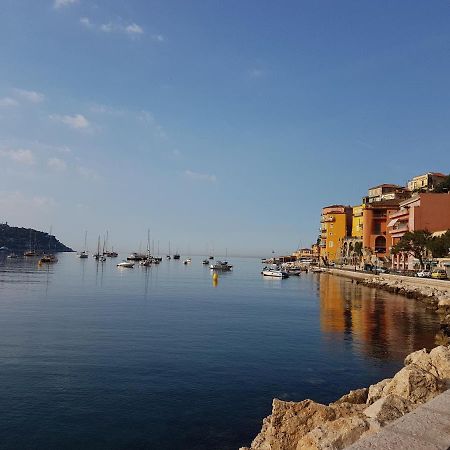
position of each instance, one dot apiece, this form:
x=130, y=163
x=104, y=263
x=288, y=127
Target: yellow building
x=357, y=221
x=336, y=225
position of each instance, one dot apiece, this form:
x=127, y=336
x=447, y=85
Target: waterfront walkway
x=357, y=275
x=425, y=428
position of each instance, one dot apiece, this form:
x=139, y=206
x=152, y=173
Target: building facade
x=424, y=211
x=336, y=223
x=426, y=182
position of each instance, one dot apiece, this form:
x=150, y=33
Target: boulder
x=289, y=422
x=388, y=408
x=376, y=391
x=440, y=357
x=357, y=396
x=337, y=434
x=414, y=384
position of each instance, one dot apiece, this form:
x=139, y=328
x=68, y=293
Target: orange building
x=424, y=211
x=336, y=225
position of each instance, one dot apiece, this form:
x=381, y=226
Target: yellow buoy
x=215, y=279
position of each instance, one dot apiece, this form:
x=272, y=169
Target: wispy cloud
x=158, y=38
x=18, y=206
x=29, y=96
x=147, y=118
x=57, y=164
x=7, y=102
x=57, y=4
x=256, y=73
x=88, y=173
x=20, y=155
x=98, y=108
x=77, y=121
x=131, y=28
x=200, y=176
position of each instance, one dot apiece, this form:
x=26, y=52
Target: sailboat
x=98, y=256
x=168, y=255
x=31, y=251
x=147, y=261
x=48, y=257
x=84, y=254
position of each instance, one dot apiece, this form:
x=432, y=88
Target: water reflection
x=382, y=325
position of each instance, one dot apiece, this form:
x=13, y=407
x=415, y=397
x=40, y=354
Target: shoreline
x=362, y=413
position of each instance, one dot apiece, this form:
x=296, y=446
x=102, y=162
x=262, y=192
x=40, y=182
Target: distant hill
x=19, y=240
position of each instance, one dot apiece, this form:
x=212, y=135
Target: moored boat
x=221, y=265
x=275, y=272
x=187, y=261
x=126, y=264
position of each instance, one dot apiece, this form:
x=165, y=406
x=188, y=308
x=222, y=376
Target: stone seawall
x=360, y=413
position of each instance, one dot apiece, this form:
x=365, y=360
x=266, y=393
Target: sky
x=220, y=125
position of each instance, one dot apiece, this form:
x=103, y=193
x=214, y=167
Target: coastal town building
x=336, y=223
x=426, y=182
x=424, y=211
x=384, y=192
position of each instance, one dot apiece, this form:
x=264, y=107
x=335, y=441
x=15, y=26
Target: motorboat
x=274, y=272
x=187, y=261
x=30, y=253
x=83, y=254
x=211, y=257
x=48, y=259
x=126, y=264
x=136, y=257
x=112, y=254
x=221, y=265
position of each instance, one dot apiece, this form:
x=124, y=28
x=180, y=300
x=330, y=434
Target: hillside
x=19, y=239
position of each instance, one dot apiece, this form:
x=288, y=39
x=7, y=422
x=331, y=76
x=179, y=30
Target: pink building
x=425, y=211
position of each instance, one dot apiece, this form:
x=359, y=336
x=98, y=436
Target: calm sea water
x=92, y=356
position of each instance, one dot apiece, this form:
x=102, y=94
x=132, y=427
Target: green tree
x=414, y=243
x=440, y=245
x=444, y=186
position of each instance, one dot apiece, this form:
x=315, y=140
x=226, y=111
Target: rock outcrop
x=313, y=426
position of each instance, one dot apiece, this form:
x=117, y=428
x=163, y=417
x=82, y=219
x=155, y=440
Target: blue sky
x=224, y=124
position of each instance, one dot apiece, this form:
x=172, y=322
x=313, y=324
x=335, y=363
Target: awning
x=392, y=222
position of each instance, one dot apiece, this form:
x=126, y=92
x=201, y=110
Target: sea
x=94, y=356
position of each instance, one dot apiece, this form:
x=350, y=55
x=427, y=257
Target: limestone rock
x=414, y=384
x=388, y=408
x=337, y=434
x=355, y=397
x=290, y=421
x=440, y=357
x=444, y=302
x=376, y=390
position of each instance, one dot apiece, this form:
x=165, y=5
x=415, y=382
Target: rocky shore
x=360, y=413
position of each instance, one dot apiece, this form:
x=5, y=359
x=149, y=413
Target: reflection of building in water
x=377, y=323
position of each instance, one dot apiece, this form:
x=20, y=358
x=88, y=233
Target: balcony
x=327, y=219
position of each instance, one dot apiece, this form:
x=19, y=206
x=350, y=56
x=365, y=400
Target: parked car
x=424, y=274
x=439, y=274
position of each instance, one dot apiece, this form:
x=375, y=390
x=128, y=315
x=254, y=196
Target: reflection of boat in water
x=126, y=264
x=221, y=265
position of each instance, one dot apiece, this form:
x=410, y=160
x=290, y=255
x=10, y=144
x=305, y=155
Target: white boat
x=187, y=261
x=221, y=265
x=126, y=264
x=82, y=254
x=274, y=272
